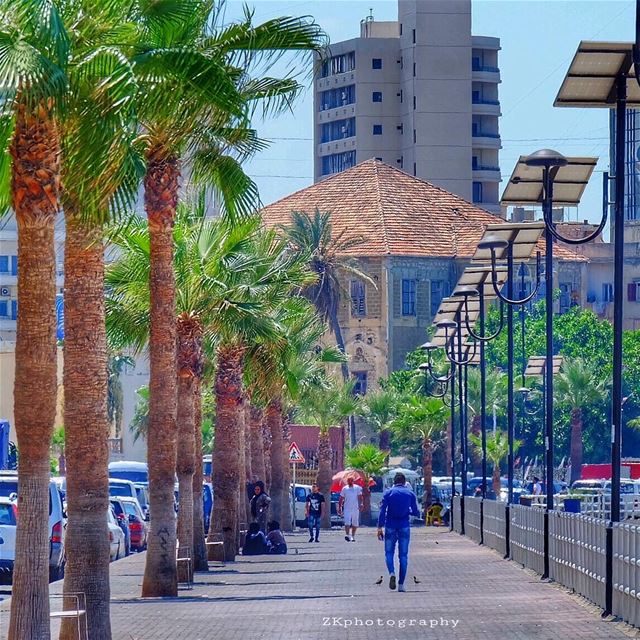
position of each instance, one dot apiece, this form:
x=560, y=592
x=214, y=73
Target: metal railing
x=472, y=507
x=527, y=537
x=495, y=525
x=577, y=554
x=626, y=571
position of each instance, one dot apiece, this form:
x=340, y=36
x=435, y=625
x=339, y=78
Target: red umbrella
x=339, y=480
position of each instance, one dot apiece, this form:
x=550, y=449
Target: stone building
x=416, y=239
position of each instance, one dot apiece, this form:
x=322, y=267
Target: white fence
x=472, y=508
x=626, y=572
x=577, y=553
x=527, y=537
x=495, y=522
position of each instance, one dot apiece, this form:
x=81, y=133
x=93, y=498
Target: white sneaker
x=401, y=587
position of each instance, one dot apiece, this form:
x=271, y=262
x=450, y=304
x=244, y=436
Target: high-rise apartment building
x=420, y=94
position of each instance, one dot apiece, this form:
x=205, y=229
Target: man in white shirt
x=350, y=505
x=537, y=487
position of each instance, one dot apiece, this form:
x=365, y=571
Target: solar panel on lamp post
x=533, y=180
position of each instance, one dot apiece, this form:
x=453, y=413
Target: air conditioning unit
x=4, y=291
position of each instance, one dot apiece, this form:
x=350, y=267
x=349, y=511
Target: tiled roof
x=394, y=214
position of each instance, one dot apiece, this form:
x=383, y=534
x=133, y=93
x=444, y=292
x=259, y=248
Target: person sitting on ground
x=275, y=538
x=255, y=542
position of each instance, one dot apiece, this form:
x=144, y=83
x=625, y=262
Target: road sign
x=295, y=455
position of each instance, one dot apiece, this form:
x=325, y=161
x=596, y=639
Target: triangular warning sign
x=295, y=455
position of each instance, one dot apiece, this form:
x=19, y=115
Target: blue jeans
x=402, y=536
x=314, y=523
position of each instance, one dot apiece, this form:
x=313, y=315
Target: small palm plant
x=497, y=451
x=370, y=460
x=379, y=409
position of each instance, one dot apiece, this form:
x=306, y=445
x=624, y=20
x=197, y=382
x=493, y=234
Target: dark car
x=137, y=524
x=123, y=522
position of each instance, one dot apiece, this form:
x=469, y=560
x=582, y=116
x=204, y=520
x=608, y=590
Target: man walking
x=350, y=505
x=397, y=505
x=314, y=507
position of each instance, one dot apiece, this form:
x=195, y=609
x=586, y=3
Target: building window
x=14, y=309
x=474, y=162
x=475, y=97
x=14, y=265
x=415, y=138
x=379, y=159
x=477, y=191
x=401, y=95
x=413, y=35
x=4, y=309
x=476, y=65
x=401, y=28
x=400, y=161
x=338, y=129
x=607, y=292
x=358, y=302
x=632, y=292
x=415, y=102
x=340, y=97
x=360, y=383
x=4, y=264
x=337, y=162
x=414, y=69
x=377, y=129
x=376, y=96
x=439, y=290
x=338, y=64
x=415, y=169
x=565, y=297
x=376, y=63
x=408, y=297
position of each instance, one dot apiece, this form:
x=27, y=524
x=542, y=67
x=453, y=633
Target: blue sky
x=538, y=41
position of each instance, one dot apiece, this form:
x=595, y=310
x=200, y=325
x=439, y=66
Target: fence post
x=608, y=576
x=482, y=521
x=461, y=515
x=507, y=531
x=545, y=574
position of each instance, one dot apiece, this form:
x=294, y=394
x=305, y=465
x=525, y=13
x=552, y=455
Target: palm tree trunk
x=476, y=452
x=447, y=453
x=35, y=182
x=497, y=486
x=242, y=480
x=324, y=474
x=189, y=332
x=200, y=562
x=161, y=197
x=366, y=502
x=248, y=471
x=427, y=470
x=278, y=491
x=86, y=427
x=225, y=457
x=287, y=516
x=344, y=368
x=266, y=436
x=257, y=446
x=384, y=440
x=576, y=444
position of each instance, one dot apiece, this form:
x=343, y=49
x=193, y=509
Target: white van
x=8, y=521
x=136, y=472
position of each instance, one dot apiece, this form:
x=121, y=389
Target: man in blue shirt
x=398, y=503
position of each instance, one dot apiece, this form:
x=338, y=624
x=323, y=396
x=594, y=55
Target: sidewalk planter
x=572, y=505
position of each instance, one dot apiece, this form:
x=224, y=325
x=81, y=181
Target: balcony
x=485, y=73
x=482, y=173
x=485, y=107
x=483, y=140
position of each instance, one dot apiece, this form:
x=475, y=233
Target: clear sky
x=538, y=41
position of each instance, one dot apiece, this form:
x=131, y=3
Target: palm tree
x=425, y=418
x=495, y=397
x=57, y=444
x=115, y=400
x=578, y=386
x=33, y=61
x=327, y=404
x=329, y=260
x=497, y=451
x=379, y=410
x=370, y=460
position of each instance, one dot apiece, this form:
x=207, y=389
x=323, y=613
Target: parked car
x=627, y=487
x=137, y=472
x=207, y=467
x=116, y=537
x=300, y=502
x=207, y=504
x=123, y=489
x=336, y=520
x=9, y=486
x=8, y=521
x=122, y=517
x=142, y=493
x=137, y=524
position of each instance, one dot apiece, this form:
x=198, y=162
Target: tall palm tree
x=327, y=404
x=197, y=95
x=329, y=260
x=379, y=410
x=370, y=460
x=578, y=385
x=495, y=398
x=33, y=65
x=425, y=418
x=115, y=397
x=497, y=451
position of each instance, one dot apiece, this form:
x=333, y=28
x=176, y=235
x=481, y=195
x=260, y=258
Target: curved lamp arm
x=549, y=226
x=477, y=336
x=464, y=361
x=448, y=404
x=496, y=288
x=428, y=366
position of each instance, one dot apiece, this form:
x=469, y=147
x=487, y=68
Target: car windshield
x=132, y=476
x=119, y=490
x=142, y=495
x=131, y=509
x=7, y=515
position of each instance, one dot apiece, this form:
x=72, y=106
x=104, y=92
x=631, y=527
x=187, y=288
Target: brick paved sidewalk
x=327, y=591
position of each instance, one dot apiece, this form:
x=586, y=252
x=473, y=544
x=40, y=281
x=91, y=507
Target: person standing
x=537, y=487
x=314, y=506
x=350, y=505
x=260, y=505
x=396, y=507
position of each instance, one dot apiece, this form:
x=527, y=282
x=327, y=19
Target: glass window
x=338, y=130
x=439, y=290
x=607, y=292
x=339, y=97
x=4, y=309
x=377, y=129
x=565, y=296
x=477, y=191
x=408, y=297
x=14, y=265
x=376, y=63
x=360, y=380
x=376, y=96
x=14, y=309
x=415, y=102
x=7, y=515
x=337, y=162
x=4, y=264
x=358, y=301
